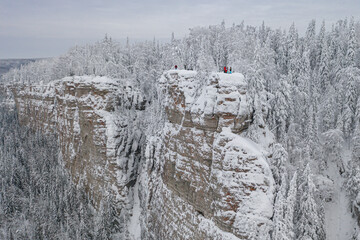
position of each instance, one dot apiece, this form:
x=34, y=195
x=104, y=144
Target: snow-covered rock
x=206, y=181
x=199, y=178
x=99, y=146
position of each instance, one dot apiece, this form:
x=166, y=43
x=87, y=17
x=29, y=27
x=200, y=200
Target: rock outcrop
x=199, y=178
x=98, y=144
x=206, y=180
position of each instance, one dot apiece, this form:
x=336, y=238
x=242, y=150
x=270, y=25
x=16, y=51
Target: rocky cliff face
x=84, y=113
x=206, y=180
x=200, y=177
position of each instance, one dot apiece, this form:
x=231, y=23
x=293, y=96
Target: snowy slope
x=339, y=223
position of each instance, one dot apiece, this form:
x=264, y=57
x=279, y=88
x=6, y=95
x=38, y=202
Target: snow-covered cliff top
x=219, y=98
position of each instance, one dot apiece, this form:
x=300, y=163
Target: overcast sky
x=46, y=28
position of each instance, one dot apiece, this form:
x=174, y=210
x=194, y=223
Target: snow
x=213, y=230
x=134, y=225
x=261, y=204
x=245, y=143
x=233, y=79
x=310, y=102
x=339, y=223
x=205, y=96
x=236, y=168
x=243, y=162
x=182, y=73
x=99, y=82
x=199, y=94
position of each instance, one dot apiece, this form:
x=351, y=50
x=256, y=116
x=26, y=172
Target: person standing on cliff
x=175, y=67
x=225, y=70
x=230, y=70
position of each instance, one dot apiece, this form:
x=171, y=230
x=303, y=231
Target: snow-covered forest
x=304, y=86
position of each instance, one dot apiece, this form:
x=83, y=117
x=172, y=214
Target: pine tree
x=293, y=37
x=280, y=226
x=353, y=183
x=310, y=220
x=357, y=115
x=290, y=208
x=128, y=60
x=281, y=108
x=320, y=41
x=328, y=110
x=349, y=79
x=278, y=163
x=333, y=140
x=205, y=62
x=301, y=95
x=323, y=72
x=351, y=45
x=258, y=98
x=265, y=63
x=310, y=44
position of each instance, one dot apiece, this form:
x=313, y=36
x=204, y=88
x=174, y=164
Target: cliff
x=206, y=180
x=200, y=176
x=84, y=113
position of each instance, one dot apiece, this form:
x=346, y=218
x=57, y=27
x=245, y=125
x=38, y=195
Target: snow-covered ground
x=339, y=223
x=134, y=226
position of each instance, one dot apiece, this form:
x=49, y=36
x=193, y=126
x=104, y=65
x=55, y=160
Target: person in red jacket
x=225, y=69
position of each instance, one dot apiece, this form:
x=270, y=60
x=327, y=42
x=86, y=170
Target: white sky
x=45, y=28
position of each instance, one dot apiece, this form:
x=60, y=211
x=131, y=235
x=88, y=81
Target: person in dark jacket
x=175, y=67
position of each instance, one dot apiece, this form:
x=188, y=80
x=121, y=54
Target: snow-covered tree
x=351, y=45
x=324, y=71
x=281, y=109
x=290, y=208
x=310, y=218
x=280, y=225
x=278, y=163
x=333, y=140
x=328, y=110
x=304, y=87
x=310, y=43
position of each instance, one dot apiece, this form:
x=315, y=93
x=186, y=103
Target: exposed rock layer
x=202, y=179
x=84, y=113
x=206, y=180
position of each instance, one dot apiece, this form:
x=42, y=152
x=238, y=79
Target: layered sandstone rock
x=206, y=180
x=200, y=178
x=96, y=141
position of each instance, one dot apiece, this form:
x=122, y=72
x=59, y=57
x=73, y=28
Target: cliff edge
x=197, y=177
x=206, y=180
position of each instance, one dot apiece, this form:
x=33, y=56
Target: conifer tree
x=278, y=163
x=280, y=226
x=351, y=45
x=290, y=208
x=310, y=219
